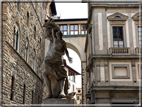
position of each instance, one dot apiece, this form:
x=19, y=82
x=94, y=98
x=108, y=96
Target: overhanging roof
x=71, y=19
x=72, y=70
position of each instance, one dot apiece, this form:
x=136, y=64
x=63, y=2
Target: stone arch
x=74, y=46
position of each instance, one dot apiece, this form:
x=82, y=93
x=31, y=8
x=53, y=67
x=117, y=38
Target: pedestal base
x=59, y=101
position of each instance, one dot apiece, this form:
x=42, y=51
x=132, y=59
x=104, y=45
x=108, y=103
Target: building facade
x=113, y=46
x=79, y=95
x=71, y=73
x=22, y=52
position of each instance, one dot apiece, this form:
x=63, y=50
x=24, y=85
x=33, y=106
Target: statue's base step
x=59, y=101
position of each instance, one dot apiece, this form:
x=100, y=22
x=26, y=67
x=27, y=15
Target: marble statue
x=54, y=74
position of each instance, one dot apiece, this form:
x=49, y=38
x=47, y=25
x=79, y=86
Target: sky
x=73, y=10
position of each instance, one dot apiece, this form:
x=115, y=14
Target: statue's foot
x=49, y=96
x=61, y=96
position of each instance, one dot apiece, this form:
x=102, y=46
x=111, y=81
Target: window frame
x=120, y=66
x=17, y=5
x=24, y=93
x=63, y=28
x=74, y=29
x=16, y=36
x=83, y=30
x=118, y=35
x=26, y=50
x=117, y=23
x=138, y=36
x=27, y=19
x=35, y=32
x=34, y=60
x=77, y=97
x=12, y=88
x=32, y=97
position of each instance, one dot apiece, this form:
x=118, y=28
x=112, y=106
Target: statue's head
x=48, y=31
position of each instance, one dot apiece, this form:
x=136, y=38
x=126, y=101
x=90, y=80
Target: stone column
x=68, y=29
x=134, y=72
x=83, y=63
x=106, y=73
x=92, y=97
x=98, y=73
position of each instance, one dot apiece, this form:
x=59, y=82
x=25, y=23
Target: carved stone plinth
x=59, y=101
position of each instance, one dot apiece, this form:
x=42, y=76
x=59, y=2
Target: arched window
x=34, y=32
x=33, y=62
x=24, y=93
x=16, y=37
x=26, y=49
x=12, y=88
x=27, y=18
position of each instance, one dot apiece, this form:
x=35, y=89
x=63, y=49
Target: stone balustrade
x=138, y=50
x=118, y=51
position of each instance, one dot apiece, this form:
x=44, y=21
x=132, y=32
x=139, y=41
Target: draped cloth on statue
x=54, y=65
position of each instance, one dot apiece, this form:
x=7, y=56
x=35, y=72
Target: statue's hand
x=70, y=59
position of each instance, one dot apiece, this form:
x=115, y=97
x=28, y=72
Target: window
x=27, y=18
x=33, y=62
x=17, y=4
x=71, y=76
x=32, y=96
x=73, y=29
x=24, y=92
x=78, y=91
x=77, y=97
x=34, y=32
x=83, y=29
x=26, y=49
x=63, y=28
x=12, y=89
x=38, y=99
x=140, y=35
x=118, y=37
x=15, y=38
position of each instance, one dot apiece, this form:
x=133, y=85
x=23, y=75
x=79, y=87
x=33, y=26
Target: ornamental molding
x=137, y=16
x=117, y=17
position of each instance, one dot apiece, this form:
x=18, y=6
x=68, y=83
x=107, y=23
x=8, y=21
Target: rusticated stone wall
x=14, y=63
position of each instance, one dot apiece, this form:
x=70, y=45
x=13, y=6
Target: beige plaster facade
x=79, y=95
x=112, y=70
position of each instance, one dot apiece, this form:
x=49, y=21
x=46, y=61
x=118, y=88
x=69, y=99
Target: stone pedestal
x=59, y=101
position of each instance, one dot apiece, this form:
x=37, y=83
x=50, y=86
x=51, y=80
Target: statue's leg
x=62, y=85
x=58, y=89
x=48, y=83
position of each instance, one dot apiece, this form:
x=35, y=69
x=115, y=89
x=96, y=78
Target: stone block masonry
x=28, y=85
